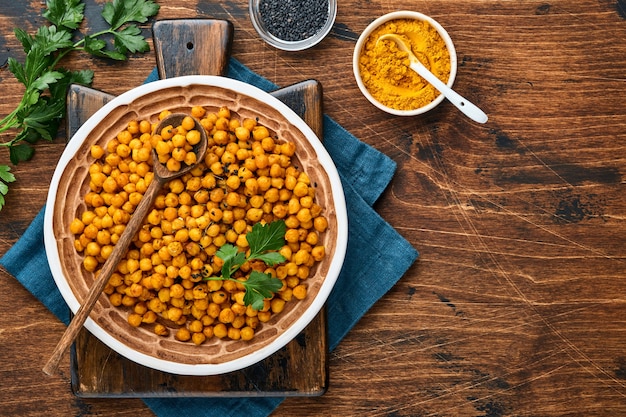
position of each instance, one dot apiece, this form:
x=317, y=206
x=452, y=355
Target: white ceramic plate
x=69, y=185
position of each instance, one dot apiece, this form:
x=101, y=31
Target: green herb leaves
x=5, y=178
x=127, y=39
x=264, y=240
x=258, y=287
x=232, y=258
x=65, y=13
x=42, y=107
x=120, y=12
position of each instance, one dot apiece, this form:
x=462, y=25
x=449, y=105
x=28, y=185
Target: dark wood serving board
x=201, y=46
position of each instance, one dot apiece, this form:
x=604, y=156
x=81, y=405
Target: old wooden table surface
x=517, y=304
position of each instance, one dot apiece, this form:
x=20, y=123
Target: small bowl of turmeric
x=382, y=70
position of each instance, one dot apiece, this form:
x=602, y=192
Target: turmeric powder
x=385, y=69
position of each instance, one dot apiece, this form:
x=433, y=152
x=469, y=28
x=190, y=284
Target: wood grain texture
x=192, y=46
x=516, y=305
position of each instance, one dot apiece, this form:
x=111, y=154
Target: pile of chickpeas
x=174, y=146
x=247, y=176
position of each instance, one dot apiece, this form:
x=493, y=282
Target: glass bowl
x=289, y=45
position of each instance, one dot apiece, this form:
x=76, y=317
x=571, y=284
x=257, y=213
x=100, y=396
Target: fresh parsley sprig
x=264, y=241
x=42, y=107
x=5, y=178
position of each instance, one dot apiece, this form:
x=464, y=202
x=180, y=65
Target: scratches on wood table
x=516, y=306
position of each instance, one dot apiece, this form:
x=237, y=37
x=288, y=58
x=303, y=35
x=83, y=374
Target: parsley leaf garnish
x=39, y=113
x=232, y=258
x=264, y=240
x=259, y=287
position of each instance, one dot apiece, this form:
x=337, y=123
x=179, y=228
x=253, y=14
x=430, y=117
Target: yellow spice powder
x=385, y=69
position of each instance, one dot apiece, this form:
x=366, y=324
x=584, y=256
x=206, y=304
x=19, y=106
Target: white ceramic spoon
x=470, y=110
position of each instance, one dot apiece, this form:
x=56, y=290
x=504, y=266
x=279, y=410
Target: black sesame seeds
x=293, y=20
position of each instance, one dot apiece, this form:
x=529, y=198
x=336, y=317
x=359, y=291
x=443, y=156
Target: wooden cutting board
x=184, y=47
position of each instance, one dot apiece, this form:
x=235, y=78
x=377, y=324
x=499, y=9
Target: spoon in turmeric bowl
x=470, y=110
x=162, y=174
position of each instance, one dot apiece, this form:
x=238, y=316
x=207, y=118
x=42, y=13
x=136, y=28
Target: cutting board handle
x=192, y=46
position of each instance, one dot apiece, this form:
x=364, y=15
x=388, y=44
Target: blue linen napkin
x=377, y=256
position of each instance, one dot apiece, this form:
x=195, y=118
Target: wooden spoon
x=469, y=109
x=161, y=176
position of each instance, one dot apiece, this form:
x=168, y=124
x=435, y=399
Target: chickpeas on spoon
x=469, y=109
x=162, y=174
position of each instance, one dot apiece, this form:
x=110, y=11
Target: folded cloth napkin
x=377, y=256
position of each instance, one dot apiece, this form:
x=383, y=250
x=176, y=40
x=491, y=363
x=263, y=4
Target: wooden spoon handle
x=103, y=276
